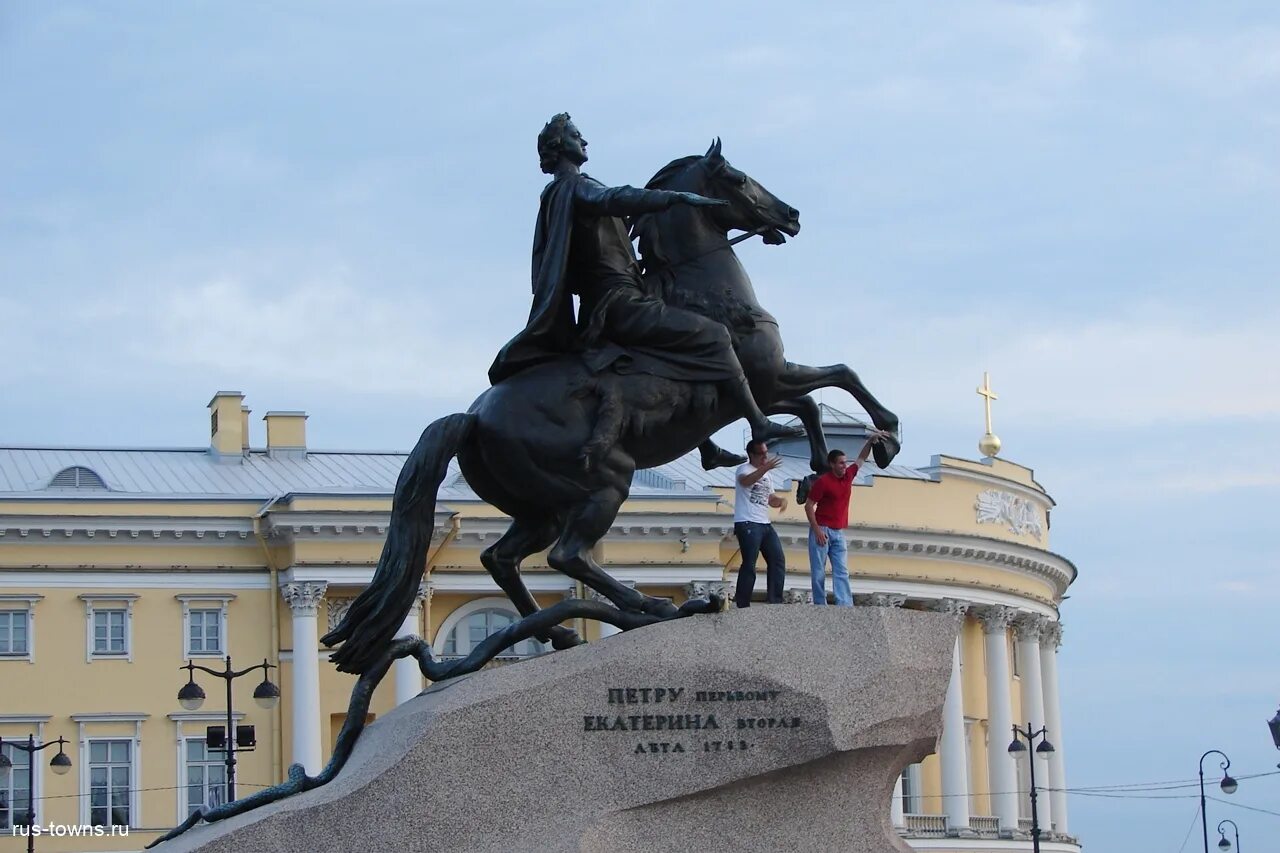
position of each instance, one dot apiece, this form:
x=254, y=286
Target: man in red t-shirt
x=827, y=507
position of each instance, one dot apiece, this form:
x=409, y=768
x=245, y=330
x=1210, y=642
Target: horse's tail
x=377, y=614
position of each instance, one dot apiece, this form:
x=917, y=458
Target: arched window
x=473, y=628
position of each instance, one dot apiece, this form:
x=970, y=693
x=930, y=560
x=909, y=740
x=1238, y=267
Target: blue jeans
x=818, y=554
x=755, y=539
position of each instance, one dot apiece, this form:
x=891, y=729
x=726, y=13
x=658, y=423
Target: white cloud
x=324, y=332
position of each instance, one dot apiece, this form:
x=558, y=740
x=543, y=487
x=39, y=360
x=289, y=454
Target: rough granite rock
x=766, y=729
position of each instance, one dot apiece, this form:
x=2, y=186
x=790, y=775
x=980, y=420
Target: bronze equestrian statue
x=654, y=364
x=646, y=373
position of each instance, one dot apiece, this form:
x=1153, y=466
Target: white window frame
x=461, y=614
x=23, y=604
x=22, y=725
x=96, y=721
x=94, y=602
x=911, y=789
x=204, y=601
x=182, y=735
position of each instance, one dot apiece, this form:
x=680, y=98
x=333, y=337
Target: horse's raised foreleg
x=806, y=409
x=798, y=380
x=525, y=536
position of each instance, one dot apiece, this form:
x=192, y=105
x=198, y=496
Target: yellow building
x=119, y=566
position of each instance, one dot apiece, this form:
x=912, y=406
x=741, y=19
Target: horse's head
x=751, y=206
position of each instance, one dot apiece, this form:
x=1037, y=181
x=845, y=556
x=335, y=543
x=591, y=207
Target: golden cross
x=985, y=391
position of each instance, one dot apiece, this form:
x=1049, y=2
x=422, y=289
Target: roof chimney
x=286, y=434
x=226, y=425
x=244, y=428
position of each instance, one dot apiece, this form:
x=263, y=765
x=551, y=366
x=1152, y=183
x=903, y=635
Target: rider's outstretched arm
x=595, y=197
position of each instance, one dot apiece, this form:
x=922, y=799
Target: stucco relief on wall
x=1019, y=515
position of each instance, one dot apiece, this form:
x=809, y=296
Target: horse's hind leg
x=586, y=524
x=806, y=409
x=525, y=536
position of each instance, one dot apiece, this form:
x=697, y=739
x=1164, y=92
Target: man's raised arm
x=874, y=438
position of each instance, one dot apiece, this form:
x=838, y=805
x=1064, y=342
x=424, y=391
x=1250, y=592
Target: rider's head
x=560, y=139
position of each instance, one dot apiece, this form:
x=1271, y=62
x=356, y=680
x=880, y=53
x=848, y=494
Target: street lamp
x=1274, y=724
x=60, y=764
x=1043, y=751
x=266, y=695
x=1223, y=844
x=1228, y=786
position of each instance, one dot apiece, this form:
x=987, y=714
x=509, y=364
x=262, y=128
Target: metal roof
x=199, y=473
x=31, y=472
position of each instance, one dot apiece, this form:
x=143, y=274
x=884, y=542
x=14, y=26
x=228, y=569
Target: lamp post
x=1228, y=786
x=60, y=764
x=266, y=694
x=1223, y=843
x=1044, y=750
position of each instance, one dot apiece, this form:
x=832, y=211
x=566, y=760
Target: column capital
x=304, y=598
x=697, y=589
x=338, y=608
x=1051, y=636
x=995, y=618
x=1029, y=626
x=953, y=607
x=885, y=599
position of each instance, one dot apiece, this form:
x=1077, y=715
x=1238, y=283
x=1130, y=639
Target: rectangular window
x=206, y=776
x=110, y=772
x=14, y=630
x=911, y=789
x=110, y=632
x=15, y=796
x=204, y=634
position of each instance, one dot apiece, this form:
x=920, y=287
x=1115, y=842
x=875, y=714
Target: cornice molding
x=333, y=524
x=59, y=529
x=950, y=547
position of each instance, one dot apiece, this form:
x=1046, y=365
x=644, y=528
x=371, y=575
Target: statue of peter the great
x=580, y=246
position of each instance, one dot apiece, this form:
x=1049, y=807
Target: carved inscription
x=685, y=723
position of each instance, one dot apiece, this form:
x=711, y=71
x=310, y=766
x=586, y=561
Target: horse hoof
x=564, y=638
x=659, y=607
x=884, y=451
x=722, y=459
x=711, y=604
x=770, y=431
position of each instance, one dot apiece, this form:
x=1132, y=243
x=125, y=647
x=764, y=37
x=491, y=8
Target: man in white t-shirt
x=752, y=499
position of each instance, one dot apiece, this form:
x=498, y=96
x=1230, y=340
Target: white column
x=1050, y=640
x=955, y=760
x=408, y=673
x=1027, y=628
x=1003, y=778
x=304, y=600
x=895, y=807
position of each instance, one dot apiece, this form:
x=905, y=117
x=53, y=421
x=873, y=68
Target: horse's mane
x=645, y=226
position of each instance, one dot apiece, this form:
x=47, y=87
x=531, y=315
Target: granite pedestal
x=775, y=728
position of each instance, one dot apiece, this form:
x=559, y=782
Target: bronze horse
x=555, y=447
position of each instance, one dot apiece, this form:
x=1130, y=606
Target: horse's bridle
x=735, y=241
